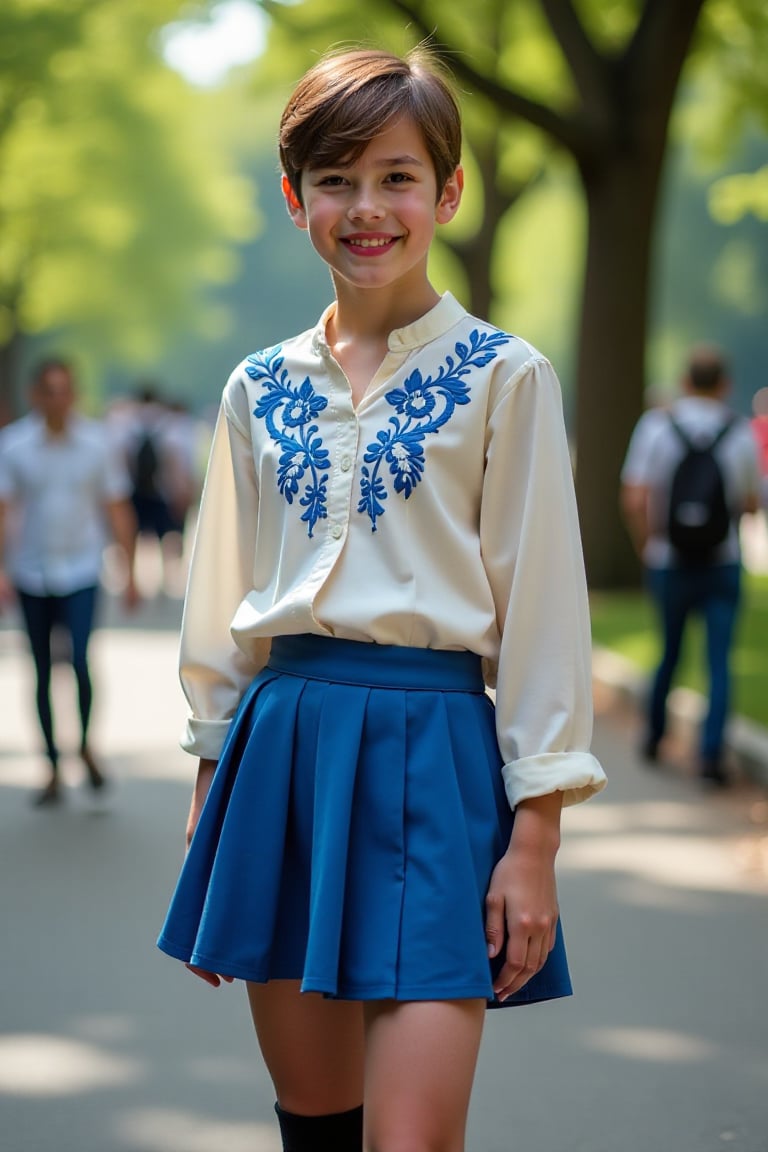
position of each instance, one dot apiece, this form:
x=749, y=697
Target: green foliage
x=119, y=196
x=711, y=281
x=732, y=197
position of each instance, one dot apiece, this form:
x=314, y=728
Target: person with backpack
x=162, y=486
x=690, y=473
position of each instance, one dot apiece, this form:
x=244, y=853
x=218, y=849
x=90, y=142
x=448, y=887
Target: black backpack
x=699, y=518
x=145, y=467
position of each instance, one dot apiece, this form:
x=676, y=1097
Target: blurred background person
x=61, y=489
x=693, y=577
x=157, y=440
x=760, y=429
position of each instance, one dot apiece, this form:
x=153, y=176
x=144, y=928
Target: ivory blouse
x=439, y=513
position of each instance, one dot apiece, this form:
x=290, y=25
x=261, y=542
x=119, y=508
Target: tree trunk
x=621, y=197
x=9, y=399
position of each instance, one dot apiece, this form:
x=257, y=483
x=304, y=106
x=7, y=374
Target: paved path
x=107, y=1046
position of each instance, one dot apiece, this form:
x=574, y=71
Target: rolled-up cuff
x=205, y=738
x=578, y=775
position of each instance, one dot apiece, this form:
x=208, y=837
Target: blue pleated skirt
x=351, y=828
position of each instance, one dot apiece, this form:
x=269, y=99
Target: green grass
x=625, y=622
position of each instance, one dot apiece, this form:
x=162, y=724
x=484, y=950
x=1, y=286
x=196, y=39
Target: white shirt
x=655, y=450
x=440, y=513
x=56, y=487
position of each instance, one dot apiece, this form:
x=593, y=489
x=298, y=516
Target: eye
x=331, y=181
x=399, y=178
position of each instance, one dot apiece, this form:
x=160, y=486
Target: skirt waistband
x=376, y=665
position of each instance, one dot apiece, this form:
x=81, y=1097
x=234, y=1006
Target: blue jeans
x=714, y=593
x=75, y=612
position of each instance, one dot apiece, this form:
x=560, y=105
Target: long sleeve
x=532, y=555
x=214, y=671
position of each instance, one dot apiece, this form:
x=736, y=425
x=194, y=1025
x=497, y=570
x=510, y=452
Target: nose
x=366, y=204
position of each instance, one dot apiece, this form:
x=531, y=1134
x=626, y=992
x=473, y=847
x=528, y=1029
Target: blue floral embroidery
x=422, y=406
x=287, y=412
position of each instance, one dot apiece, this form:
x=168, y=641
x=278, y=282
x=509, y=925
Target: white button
x=337, y=531
x=346, y=463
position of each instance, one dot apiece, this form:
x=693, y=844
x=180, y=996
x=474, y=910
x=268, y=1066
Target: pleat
x=442, y=939
x=370, y=944
x=348, y=840
x=240, y=838
x=338, y=748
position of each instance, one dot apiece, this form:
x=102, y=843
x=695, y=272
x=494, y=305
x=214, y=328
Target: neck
x=370, y=315
x=56, y=425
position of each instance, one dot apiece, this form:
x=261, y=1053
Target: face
x=372, y=221
x=55, y=395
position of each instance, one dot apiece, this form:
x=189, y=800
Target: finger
x=517, y=972
x=212, y=978
x=514, y=972
x=494, y=925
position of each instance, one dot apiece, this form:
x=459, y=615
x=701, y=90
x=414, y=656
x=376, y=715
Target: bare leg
x=420, y=1065
x=313, y=1047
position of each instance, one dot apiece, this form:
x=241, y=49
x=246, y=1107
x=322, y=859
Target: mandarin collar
x=431, y=326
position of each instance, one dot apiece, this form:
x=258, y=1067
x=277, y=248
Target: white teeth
x=364, y=243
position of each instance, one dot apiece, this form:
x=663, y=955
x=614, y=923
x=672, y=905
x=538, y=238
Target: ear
x=450, y=199
x=293, y=204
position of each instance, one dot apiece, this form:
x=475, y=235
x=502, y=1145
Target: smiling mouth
x=369, y=243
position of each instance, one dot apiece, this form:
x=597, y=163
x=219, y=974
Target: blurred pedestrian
x=689, y=475
x=154, y=436
x=60, y=487
x=760, y=429
x=355, y=576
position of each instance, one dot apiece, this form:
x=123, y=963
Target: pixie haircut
x=349, y=97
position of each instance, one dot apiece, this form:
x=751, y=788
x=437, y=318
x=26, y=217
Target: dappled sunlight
x=150, y=718
x=107, y=1028
x=634, y=891
x=169, y=1130
x=36, y=1064
x=691, y=862
x=138, y=717
x=669, y=844
x=666, y=815
x=655, y=1044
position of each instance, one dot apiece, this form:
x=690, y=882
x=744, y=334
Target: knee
x=410, y=1142
x=401, y=1134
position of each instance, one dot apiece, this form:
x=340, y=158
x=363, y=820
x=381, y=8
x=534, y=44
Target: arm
x=634, y=508
x=214, y=671
x=122, y=523
x=532, y=552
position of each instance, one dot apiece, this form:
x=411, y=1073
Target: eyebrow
x=394, y=162
x=398, y=160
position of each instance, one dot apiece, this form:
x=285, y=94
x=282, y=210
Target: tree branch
x=588, y=67
x=564, y=130
x=657, y=51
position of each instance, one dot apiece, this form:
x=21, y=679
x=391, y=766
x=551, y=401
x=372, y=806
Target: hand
x=521, y=903
x=212, y=978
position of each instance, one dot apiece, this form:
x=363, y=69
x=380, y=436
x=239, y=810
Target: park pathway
x=108, y=1046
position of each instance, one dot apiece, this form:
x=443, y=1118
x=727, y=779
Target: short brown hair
x=349, y=97
x=707, y=368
